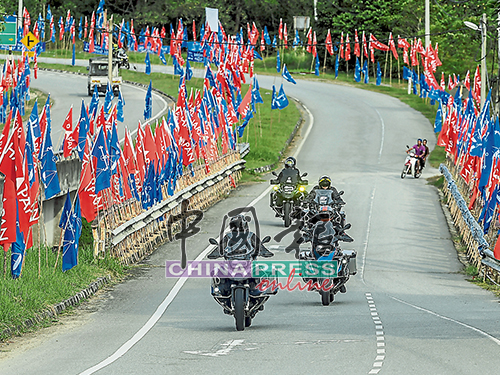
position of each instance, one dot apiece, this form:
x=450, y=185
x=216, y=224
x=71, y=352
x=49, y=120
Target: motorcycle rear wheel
x=239, y=309
x=325, y=298
x=286, y=213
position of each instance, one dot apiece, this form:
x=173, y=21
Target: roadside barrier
x=130, y=233
x=478, y=248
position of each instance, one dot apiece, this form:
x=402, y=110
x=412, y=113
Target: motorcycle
x=119, y=53
x=410, y=166
x=324, y=227
x=239, y=296
x=290, y=193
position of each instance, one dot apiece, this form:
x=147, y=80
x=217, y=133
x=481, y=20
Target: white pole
x=427, y=24
x=483, y=60
x=19, y=16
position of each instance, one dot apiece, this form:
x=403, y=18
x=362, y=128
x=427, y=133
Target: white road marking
x=492, y=338
x=379, y=334
x=382, y=136
x=230, y=345
x=177, y=287
x=363, y=259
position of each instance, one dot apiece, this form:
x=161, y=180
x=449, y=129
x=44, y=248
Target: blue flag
x=316, y=66
x=256, y=97
x=337, y=66
x=70, y=245
x=148, y=108
x=365, y=72
x=438, y=122
x=94, y=102
x=34, y=122
x=357, y=71
x=100, y=7
x=274, y=44
x=278, y=62
x=148, y=188
x=48, y=165
x=162, y=58
x=274, y=100
x=119, y=107
x=296, y=41
x=282, y=99
x=73, y=56
x=287, y=76
x=266, y=36
x=189, y=71
x=17, y=252
x=115, y=150
x=108, y=99
x=241, y=128
x=148, y=63
x=66, y=212
x=103, y=170
x=379, y=74
x=84, y=126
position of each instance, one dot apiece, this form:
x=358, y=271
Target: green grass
x=25, y=297
x=437, y=156
x=436, y=181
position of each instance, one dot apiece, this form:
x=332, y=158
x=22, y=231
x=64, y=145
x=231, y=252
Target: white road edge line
x=492, y=338
x=363, y=259
x=177, y=287
x=382, y=136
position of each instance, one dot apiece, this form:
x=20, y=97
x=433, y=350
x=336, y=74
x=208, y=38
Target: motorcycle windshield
x=323, y=198
x=289, y=176
x=238, y=247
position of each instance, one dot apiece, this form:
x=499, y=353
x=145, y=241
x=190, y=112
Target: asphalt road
x=409, y=310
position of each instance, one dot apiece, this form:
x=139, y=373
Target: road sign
x=30, y=40
x=8, y=37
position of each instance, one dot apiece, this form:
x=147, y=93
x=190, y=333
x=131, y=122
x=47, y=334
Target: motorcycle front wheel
x=405, y=171
x=239, y=309
x=286, y=213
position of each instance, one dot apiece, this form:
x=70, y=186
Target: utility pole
x=427, y=24
x=483, y=60
x=19, y=16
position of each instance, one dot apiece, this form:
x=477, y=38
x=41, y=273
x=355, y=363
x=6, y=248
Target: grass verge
x=29, y=295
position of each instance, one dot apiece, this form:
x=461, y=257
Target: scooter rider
x=239, y=238
x=419, y=152
x=426, y=152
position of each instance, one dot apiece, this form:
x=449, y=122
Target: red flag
x=280, y=30
x=89, y=201
x=496, y=250
x=450, y=83
x=476, y=93
x=150, y=152
x=328, y=43
x=357, y=51
x=392, y=46
x=285, y=36
x=68, y=122
x=443, y=82
x=314, y=50
x=467, y=80
x=347, y=48
x=7, y=167
x=22, y=178
x=309, y=40
x=139, y=152
x=244, y=105
x=365, y=47
x=374, y=43
x=342, y=45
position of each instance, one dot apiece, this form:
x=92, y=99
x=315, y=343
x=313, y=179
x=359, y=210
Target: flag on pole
x=287, y=76
x=148, y=63
x=148, y=108
x=357, y=71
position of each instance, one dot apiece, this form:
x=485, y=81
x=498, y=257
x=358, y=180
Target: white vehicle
x=411, y=165
x=98, y=76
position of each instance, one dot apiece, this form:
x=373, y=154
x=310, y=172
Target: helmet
x=238, y=223
x=324, y=181
x=419, y=140
x=290, y=162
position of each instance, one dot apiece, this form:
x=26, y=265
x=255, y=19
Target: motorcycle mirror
x=304, y=174
x=347, y=226
x=266, y=239
x=341, y=192
x=213, y=241
x=407, y=146
x=274, y=173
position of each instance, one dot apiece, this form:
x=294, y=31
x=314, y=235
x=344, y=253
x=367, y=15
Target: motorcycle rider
x=240, y=237
x=325, y=183
x=419, y=152
x=289, y=174
x=426, y=152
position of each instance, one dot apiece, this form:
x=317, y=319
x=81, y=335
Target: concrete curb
x=55, y=310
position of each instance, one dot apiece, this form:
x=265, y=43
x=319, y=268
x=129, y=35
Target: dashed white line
x=379, y=334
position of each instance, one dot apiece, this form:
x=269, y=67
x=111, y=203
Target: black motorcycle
x=121, y=55
x=239, y=296
x=325, y=227
x=287, y=196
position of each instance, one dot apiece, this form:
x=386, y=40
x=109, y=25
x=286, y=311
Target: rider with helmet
x=325, y=183
x=289, y=174
x=240, y=238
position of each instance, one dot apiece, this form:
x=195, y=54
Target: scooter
x=410, y=166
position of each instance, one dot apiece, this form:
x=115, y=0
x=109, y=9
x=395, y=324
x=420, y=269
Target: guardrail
x=139, y=236
x=478, y=249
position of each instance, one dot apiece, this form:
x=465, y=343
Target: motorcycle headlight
x=276, y=187
x=302, y=188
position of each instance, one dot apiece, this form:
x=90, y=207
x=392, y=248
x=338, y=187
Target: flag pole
x=324, y=62
x=5, y=264
x=399, y=73
x=385, y=65
x=390, y=73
